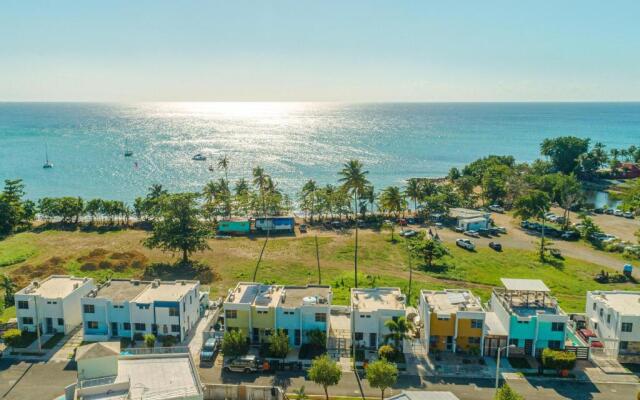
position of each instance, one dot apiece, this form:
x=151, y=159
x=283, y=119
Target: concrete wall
x=241, y=392
x=97, y=367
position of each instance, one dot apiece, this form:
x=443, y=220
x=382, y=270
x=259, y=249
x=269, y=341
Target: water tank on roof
x=309, y=300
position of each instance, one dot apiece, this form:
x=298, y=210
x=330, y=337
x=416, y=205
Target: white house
x=52, y=304
x=469, y=220
x=615, y=318
x=370, y=309
x=124, y=308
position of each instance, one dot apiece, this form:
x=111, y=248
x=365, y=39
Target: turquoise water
x=292, y=141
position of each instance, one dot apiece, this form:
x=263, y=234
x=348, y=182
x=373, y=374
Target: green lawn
x=7, y=313
x=16, y=249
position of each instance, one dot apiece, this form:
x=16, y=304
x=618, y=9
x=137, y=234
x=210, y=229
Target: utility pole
x=255, y=271
x=318, y=261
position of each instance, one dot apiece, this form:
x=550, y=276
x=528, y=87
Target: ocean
x=293, y=142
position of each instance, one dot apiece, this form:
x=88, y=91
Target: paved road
x=471, y=389
x=23, y=380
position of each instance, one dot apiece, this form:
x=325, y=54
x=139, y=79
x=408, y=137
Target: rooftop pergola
x=526, y=292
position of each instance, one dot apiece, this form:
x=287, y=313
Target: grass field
x=291, y=260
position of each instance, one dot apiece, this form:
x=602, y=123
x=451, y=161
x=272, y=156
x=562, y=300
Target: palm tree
x=9, y=288
x=354, y=180
x=223, y=164
x=210, y=192
x=398, y=331
x=391, y=199
x=260, y=180
x=413, y=192
x=309, y=196
x=370, y=196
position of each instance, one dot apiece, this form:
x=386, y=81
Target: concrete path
x=66, y=347
x=194, y=341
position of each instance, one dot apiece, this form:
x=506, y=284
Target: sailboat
x=47, y=164
x=127, y=152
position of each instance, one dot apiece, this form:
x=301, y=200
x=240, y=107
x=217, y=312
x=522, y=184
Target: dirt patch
x=101, y=259
x=26, y=273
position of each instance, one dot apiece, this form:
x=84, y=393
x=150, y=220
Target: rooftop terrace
x=255, y=294
x=296, y=296
x=119, y=290
x=451, y=301
x=165, y=291
x=624, y=302
x=527, y=297
x=55, y=286
x=377, y=299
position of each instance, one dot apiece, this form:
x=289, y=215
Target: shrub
x=279, y=345
x=168, y=341
x=317, y=338
x=386, y=352
x=324, y=372
x=138, y=336
x=12, y=337
x=150, y=340
x=559, y=360
x=506, y=393
x=234, y=344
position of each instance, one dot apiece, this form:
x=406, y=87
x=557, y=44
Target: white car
x=618, y=213
x=496, y=208
x=465, y=244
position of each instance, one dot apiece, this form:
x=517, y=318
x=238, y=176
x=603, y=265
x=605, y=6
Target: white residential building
x=614, y=316
x=52, y=304
x=124, y=308
x=371, y=308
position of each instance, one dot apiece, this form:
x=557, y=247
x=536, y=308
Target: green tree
x=279, y=345
x=9, y=288
x=568, y=193
x=223, y=164
x=534, y=205
x=92, y=208
x=427, y=249
x=392, y=200
x=324, y=372
x=309, y=198
x=14, y=212
x=261, y=181
x=150, y=340
x=390, y=226
x=398, y=331
x=382, y=374
x=588, y=228
x=506, y=393
x=413, y=191
x=564, y=152
x=354, y=180
x=386, y=352
x=300, y=394
x=179, y=228
x=12, y=337
x=631, y=196
x=234, y=344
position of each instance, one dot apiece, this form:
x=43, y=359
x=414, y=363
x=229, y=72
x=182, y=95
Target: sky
x=329, y=50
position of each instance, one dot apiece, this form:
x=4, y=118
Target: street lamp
x=511, y=346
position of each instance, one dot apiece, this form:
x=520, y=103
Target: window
x=126, y=326
x=27, y=320
x=118, y=306
x=557, y=326
x=624, y=345
x=321, y=317
x=231, y=314
x=60, y=322
x=289, y=313
x=513, y=342
x=359, y=336
x=174, y=312
x=23, y=304
x=267, y=332
x=175, y=328
x=594, y=306
x=184, y=307
x=140, y=327
x=608, y=318
x=92, y=324
x=143, y=306
x=476, y=323
x=523, y=322
x=443, y=317
x=368, y=316
x=601, y=312
x=474, y=340
x=627, y=327
x=554, y=344
x=89, y=308
x=262, y=312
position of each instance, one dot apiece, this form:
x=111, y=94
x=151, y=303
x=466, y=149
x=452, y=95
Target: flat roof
x=524, y=285
x=624, y=302
x=55, y=286
x=296, y=296
x=156, y=377
x=255, y=294
x=457, y=212
x=451, y=301
x=121, y=290
x=165, y=291
x=377, y=298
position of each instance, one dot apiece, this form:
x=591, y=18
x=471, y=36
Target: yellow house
x=453, y=321
x=251, y=309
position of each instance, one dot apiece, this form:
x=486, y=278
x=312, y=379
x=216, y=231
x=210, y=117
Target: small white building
x=126, y=308
x=105, y=374
x=52, y=304
x=370, y=309
x=470, y=220
x=614, y=316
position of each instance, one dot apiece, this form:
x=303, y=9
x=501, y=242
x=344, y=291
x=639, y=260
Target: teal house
x=533, y=318
x=234, y=227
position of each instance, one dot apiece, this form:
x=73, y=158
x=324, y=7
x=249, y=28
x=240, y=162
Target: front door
x=449, y=343
x=114, y=329
x=528, y=347
x=373, y=340
x=49, y=325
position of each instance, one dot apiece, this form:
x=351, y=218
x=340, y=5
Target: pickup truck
x=465, y=244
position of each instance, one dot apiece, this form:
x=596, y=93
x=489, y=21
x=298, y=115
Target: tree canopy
x=324, y=372
x=382, y=374
x=564, y=152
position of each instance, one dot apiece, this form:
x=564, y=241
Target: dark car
x=484, y=232
x=303, y=228
x=209, y=350
x=570, y=235
x=598, y=210
x=496, y=246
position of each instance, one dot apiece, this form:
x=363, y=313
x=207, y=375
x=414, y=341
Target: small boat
x=127, y=152
x=47, y=164
x=199, y=157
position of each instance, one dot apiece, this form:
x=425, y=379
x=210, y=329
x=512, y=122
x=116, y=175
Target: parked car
x=246, y=364
x=570, y=235
x=408, y=233
x=484, y=232
x=496, y=246
x=588, y=336
x=609, y=211
x=303, y=228
x=628, y=215
x=618, y=213
x=458, y=229
x=598, y=210
x=472, y=233
x=465, y=244
x=402, y=222
x=223, y=237
x=496, y=208
x=500, y=229
x=209, y=350
x=525, y=224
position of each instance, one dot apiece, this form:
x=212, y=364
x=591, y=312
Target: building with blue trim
x=126, y=308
